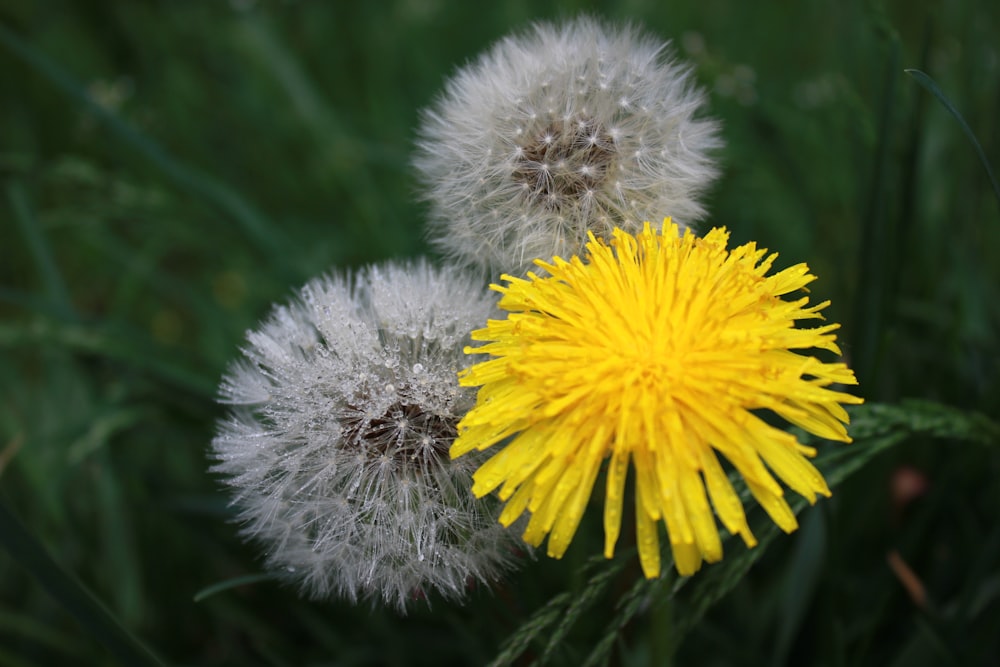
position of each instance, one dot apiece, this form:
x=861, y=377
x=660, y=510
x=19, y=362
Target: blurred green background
x=169, y=169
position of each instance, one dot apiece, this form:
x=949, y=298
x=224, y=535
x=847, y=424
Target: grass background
x=169, y=169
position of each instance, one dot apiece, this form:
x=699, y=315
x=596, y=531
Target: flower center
x=564, y=162
x=403, y=432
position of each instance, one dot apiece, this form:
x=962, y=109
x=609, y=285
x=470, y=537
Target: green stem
x=661, y=631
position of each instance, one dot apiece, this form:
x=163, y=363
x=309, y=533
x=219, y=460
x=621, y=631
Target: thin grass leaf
x=38, y=632
x=265, y=234
x=642, y=593
x=932, y=87
x=37, y=303
x=539, y=622
x=916, y=418
x=235, y=582
x=878, y=260
x=40, y=251
x=71, y=594
x=580, y=603
x=136, y=264
x=103, y=427
x=909, y=194
x=940, y=653
x=804, y=574
x=987, y=593
x=591, y=592
x=118, y=542
x=276, y=59
x=114, y=346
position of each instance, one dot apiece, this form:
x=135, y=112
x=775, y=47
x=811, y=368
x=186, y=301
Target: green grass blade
x=262, y=232
x=118, y=548
x=104, y=426
x=112, y=345
x=878, y=260
x=71, y=594
x=593, y=590
x=40, y=251
x=641, y=593
x=804, y=575
x=540, y=621
x=911, y=418
x=38, y=632
x=932, y=87
x=235, y=582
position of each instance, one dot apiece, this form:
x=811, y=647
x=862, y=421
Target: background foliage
x=169, y=169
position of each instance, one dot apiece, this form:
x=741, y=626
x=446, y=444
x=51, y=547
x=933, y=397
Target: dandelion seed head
x=564, y=130
x=341, y=412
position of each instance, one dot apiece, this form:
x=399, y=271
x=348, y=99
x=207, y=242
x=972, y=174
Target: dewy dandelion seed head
x=559, y=131
x=336, y=444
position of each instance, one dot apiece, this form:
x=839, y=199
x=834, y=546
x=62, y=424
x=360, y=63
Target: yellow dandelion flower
x=657, y=350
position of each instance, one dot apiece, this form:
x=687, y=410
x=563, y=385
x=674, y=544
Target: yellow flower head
x=656, y=350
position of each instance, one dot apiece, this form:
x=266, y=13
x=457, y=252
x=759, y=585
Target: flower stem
x=661, y=632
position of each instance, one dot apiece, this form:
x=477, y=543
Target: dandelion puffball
x=559, y=131
x=336, y=442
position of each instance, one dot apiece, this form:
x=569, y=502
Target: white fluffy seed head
x=336, y=443
x=559, y=131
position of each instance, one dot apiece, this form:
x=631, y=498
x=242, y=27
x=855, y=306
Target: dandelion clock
x=341, y=414
x=560, y=131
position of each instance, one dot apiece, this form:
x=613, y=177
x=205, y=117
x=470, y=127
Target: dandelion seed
x=538, y=142
x=658, y=351
x=336, y=444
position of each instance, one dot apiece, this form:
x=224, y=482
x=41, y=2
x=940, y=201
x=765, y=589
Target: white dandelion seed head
x=558, y=131
x=342, y=411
